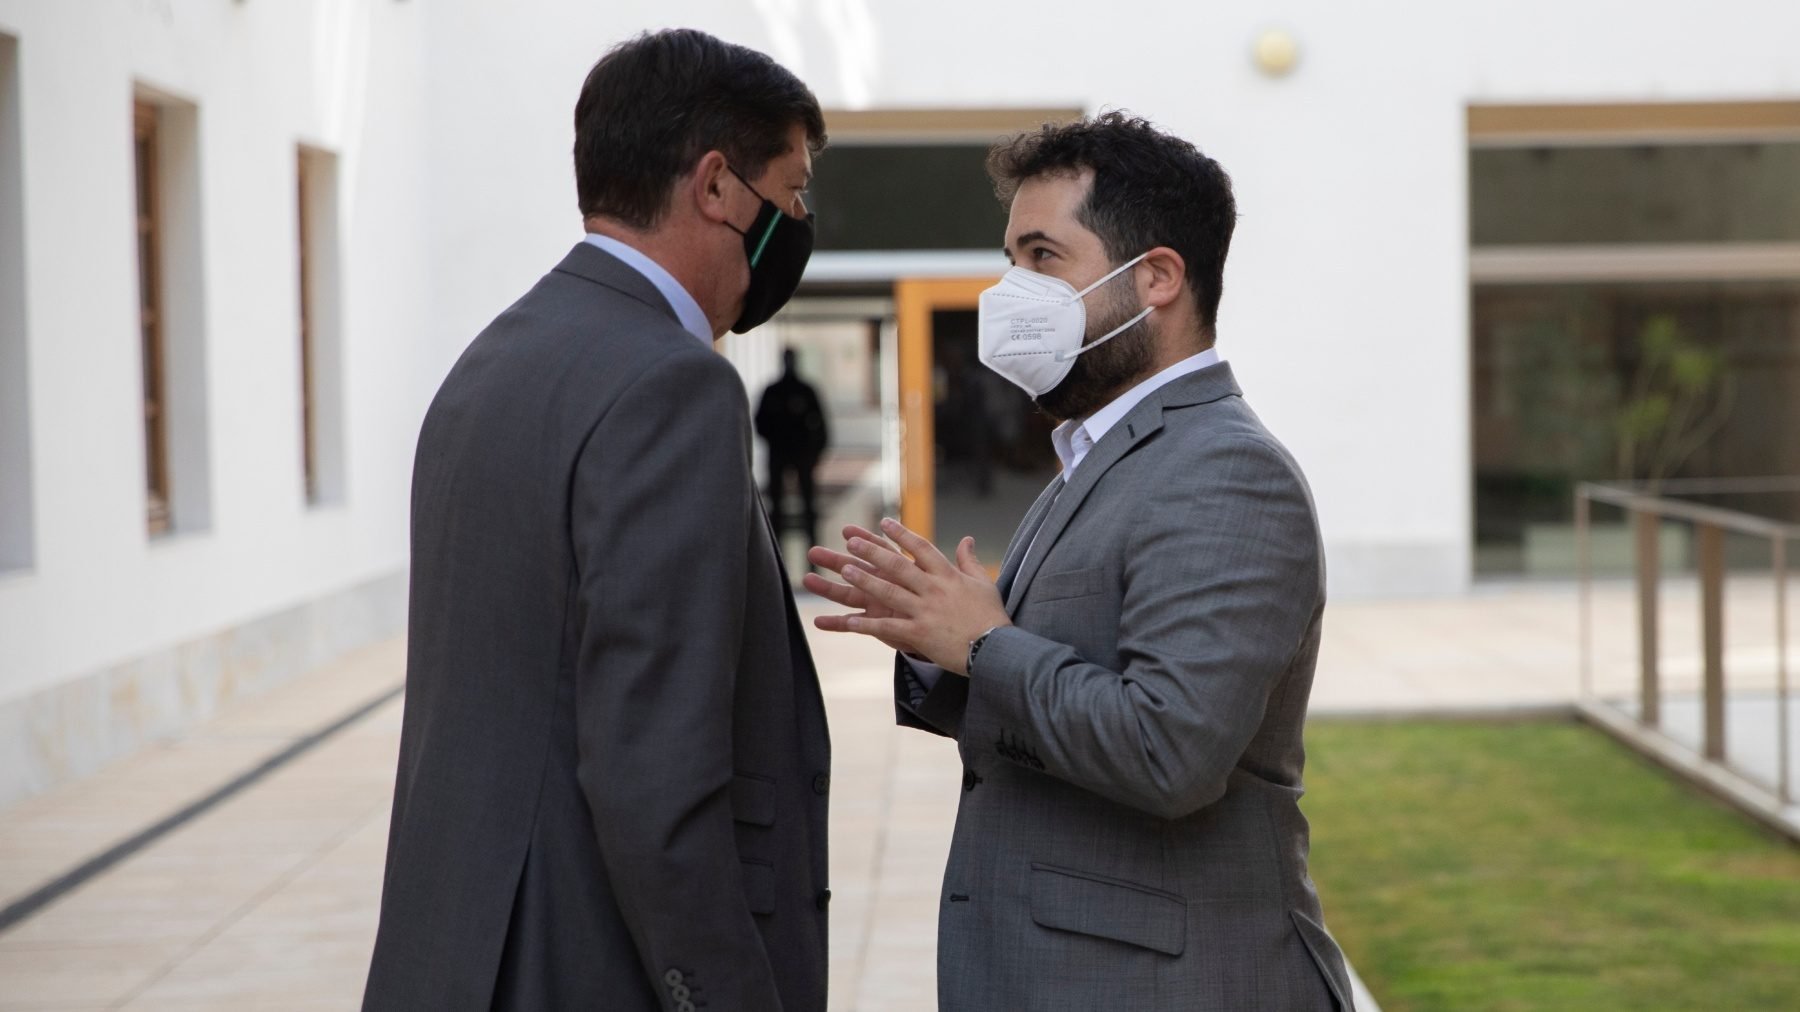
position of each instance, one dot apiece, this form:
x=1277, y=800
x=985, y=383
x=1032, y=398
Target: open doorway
x=909, y=234
x=976, y=451
x=991, y=443
x=842, y=352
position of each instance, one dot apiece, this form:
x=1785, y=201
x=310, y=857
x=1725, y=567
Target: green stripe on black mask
x=777, y=246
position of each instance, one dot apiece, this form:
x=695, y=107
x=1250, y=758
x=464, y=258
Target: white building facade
x=435, y=140
x=112, y=635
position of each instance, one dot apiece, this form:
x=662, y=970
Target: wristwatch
x=975, y=648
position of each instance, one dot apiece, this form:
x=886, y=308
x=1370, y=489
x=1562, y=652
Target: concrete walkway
x=268, y=899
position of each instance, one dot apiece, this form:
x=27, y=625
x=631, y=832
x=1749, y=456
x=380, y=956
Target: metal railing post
x=1783, y=775
x=1585, y=591
x=1649, y=507
x=1712, y=639
x=1646, y=525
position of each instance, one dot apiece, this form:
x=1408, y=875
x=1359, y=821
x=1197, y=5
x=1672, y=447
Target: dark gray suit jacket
x=614, y=759
x=1130, y=834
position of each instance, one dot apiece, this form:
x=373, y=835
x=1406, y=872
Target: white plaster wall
x=1346, y=297
x=1346, y=305
x=504, y=82
x=264, y=76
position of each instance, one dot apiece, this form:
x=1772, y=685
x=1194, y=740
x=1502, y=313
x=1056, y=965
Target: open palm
x=843, y=593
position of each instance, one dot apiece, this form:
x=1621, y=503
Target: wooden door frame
x=915, y=299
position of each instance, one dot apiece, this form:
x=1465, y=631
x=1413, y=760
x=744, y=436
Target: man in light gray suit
x=614, y=760
x=1128, y=700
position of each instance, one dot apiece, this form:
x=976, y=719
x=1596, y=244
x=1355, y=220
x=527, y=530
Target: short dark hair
x=1150, y=189
x=655, y=104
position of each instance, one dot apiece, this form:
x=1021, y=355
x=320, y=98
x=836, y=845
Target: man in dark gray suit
x=1128, y=700
x=614, y=760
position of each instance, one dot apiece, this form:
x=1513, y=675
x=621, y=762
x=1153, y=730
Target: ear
x=1162, y=277
x=710, y=186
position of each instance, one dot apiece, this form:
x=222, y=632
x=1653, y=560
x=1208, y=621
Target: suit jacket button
x=686, y=1006
x=824, y=898
x=673, y=978
x=822, y=784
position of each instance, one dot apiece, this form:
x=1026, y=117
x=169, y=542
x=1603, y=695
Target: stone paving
x=268, y=900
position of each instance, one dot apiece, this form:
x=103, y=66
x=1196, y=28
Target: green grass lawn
x=1542, y=866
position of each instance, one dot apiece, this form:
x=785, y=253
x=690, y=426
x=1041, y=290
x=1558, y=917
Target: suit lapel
x=1021, y=539
x=1124, y=437
x=806, y=673
x=1139, y=424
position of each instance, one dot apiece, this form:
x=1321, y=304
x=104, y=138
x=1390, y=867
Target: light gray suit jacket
x=1130, y=834
x=614, y=762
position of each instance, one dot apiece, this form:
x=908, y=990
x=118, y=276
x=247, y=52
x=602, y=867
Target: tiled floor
x=265, y=901
x=268, y=900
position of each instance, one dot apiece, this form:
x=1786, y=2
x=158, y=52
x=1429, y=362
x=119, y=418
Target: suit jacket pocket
x=1067, y=584
x=1068, y=900
x=759, y=886
x=753, y=799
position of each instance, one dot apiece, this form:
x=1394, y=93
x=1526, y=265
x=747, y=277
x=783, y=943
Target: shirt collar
x=1074, y=438
x=692, y=318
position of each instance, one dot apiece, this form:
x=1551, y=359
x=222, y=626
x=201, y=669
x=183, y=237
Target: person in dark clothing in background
x=790, y=419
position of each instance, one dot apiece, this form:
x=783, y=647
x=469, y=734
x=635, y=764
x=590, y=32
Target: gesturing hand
x=844, y=594
x=924, y=605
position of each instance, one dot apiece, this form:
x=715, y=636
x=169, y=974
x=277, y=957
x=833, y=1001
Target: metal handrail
x=1710, y=486
x=1648, y=506
x=1637, y=499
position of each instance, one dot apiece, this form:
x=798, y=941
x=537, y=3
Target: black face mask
x=778, y=247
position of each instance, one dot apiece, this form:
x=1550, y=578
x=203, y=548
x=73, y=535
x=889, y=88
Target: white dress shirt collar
x=1074, y=438
x=692, y=318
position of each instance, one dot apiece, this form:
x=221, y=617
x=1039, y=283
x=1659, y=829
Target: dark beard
x=1108, y=370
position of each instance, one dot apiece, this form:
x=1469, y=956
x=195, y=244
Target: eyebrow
x=1027, y=239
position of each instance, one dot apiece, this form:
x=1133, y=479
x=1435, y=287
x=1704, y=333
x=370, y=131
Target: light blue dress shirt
x=692, y=318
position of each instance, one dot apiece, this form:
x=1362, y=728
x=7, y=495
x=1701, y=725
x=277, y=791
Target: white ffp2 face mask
x=1030, y=326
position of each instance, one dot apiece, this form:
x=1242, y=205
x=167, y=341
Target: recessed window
x=171, y=318
x=906, y=197
x=321, y=350
x=1624, y=381
x=150, y=319
x=16, y=507
x=1640, y=193
x=914, y=180
x=1635, y=303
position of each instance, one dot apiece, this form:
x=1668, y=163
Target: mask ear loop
x=1066, y=356
x=1115, y=272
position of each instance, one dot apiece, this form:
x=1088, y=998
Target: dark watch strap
x=975, y=648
